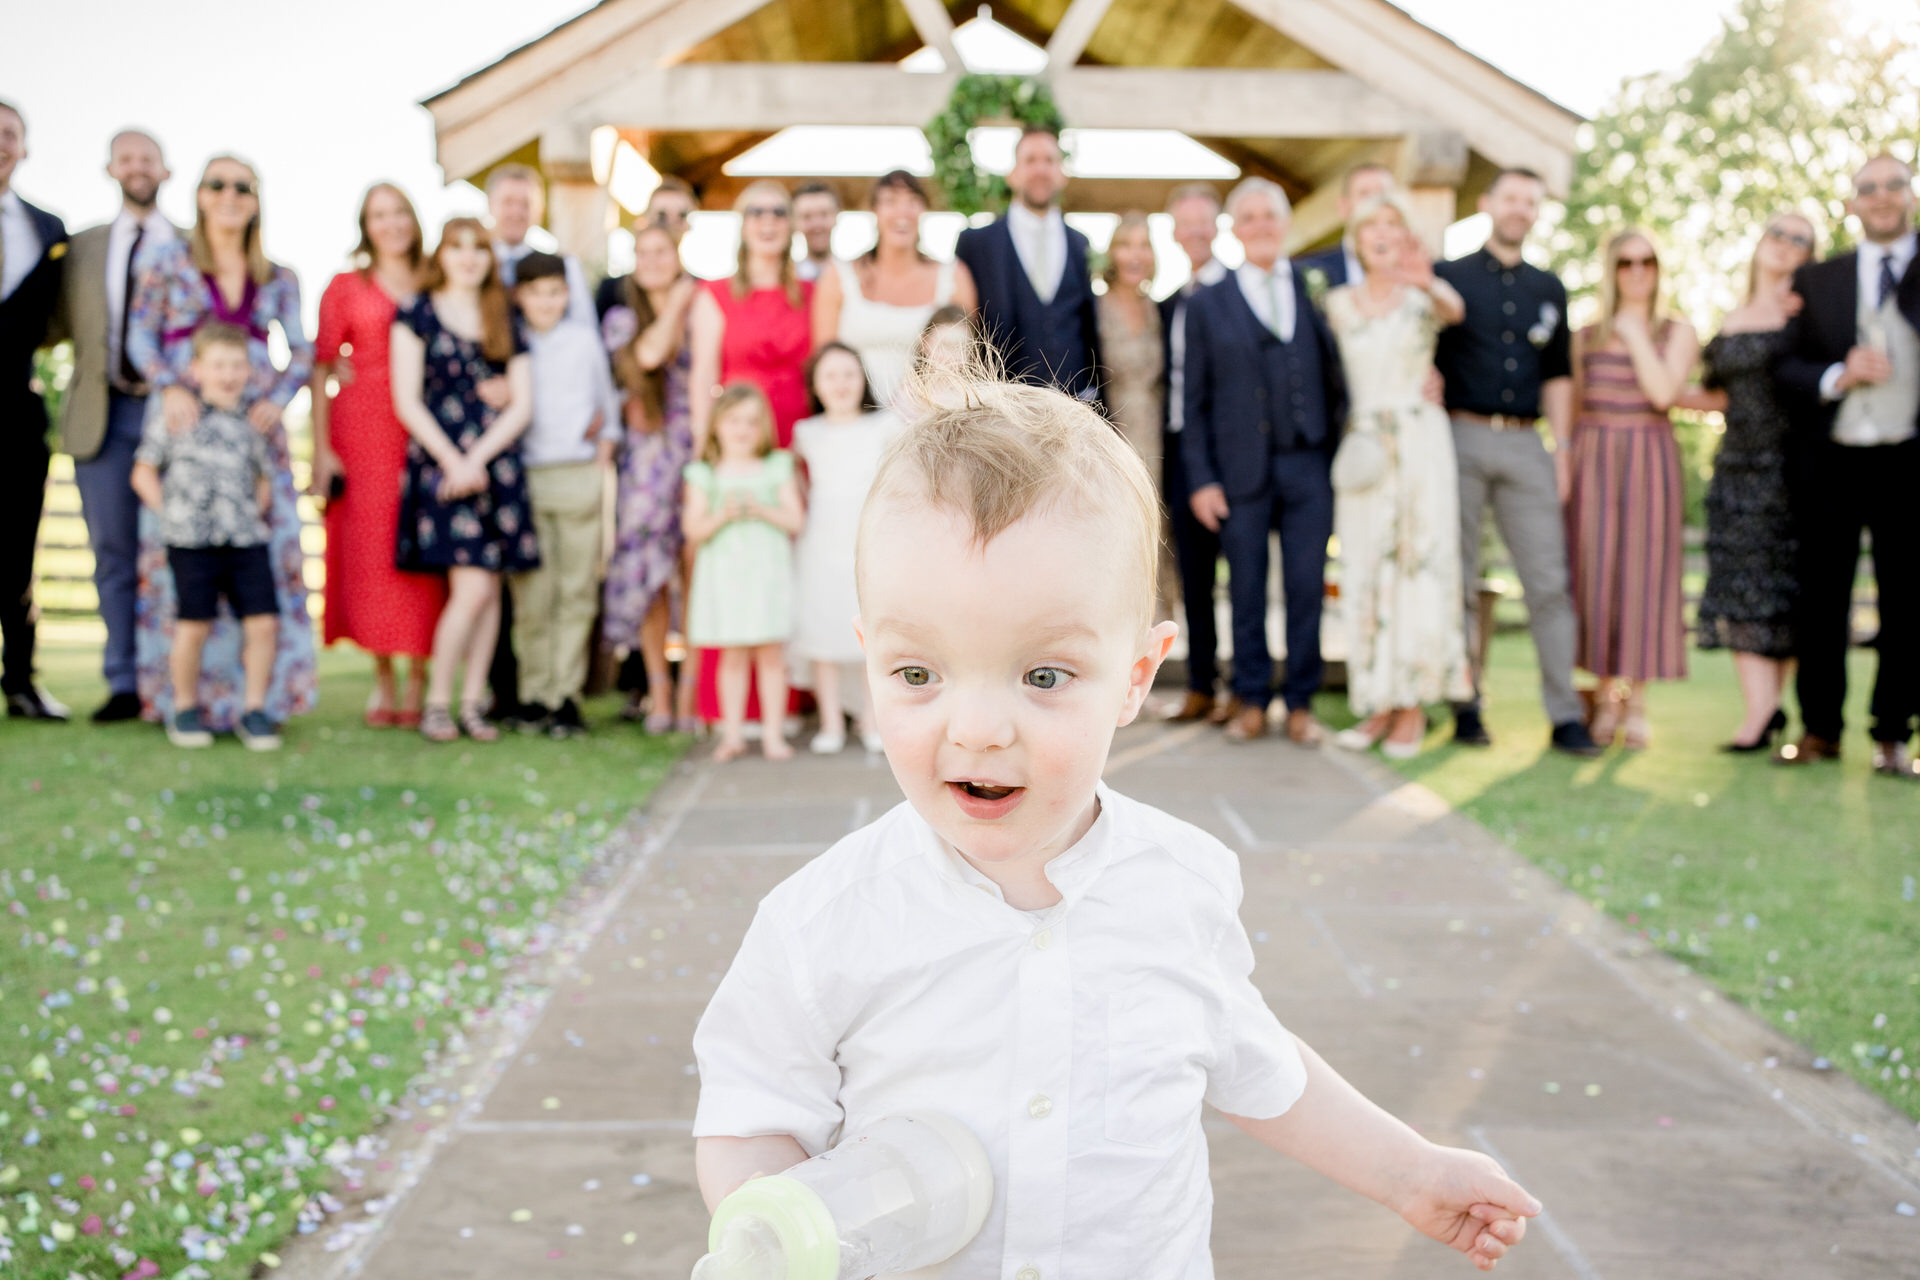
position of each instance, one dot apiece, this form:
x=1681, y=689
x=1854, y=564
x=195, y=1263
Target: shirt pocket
x=1156, y=1065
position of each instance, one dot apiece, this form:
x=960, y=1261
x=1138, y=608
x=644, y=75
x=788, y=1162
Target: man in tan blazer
x=106, y=401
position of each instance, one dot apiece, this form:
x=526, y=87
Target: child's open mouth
x=985, y=799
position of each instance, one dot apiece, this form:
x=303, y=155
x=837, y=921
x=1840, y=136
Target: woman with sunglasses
x=752, y=327
x=221, y=272
x=1624, y=510
x=1751, y=589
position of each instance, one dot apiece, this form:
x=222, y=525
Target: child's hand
x=1466, y=1201
x=603, y=453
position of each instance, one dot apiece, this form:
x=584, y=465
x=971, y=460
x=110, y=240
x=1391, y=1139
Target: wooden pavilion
x=1294, y=90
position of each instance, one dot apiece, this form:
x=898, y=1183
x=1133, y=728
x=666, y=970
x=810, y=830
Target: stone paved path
x=1453, y=983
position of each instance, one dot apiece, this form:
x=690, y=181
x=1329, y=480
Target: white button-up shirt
x=1077, y=1043
x=19, y=243
x=1900, y=253
x=571, y=383
x=1040, y=242
x=1266, y=289
x=154, y=229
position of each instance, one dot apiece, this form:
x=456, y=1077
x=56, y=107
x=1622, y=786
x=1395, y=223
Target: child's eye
x=1047, y=677
x=915, y=677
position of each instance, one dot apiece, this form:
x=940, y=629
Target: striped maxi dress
x=1624, y=525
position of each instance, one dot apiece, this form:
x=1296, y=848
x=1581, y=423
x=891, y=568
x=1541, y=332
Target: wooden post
x=1432, y=166
x=579, y=213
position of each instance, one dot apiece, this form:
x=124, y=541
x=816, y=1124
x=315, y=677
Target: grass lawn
x=222, y=967
x=1792, y=889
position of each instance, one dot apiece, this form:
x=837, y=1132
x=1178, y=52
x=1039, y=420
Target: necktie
x=129, y=374
x=1887, y=283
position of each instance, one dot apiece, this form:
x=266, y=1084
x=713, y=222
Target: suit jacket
x=24, y=318
x=1828, y=327
x=1231, y=423
x=1005, y=292
x=82, y=317
x=1331, y=263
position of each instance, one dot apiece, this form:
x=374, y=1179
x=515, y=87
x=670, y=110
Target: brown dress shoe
x=1895, y=761
x=1806, y=751
x=1197, y=706
x=1224, y=712
x=1302, y=729
x=1247, y=724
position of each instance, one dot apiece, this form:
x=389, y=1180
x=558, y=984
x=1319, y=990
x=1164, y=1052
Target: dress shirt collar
x=1212, y=271
x=1900, y=252
x=1356, y=274
x=1071, y=872
x=1026, y=221
x=11, y=205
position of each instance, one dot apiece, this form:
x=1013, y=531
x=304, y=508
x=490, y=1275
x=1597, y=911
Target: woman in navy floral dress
x=463, y=499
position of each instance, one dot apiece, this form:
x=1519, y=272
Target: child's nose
x=981, y=723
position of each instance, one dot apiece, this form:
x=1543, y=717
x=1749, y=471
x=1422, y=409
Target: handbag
x=1359, y=463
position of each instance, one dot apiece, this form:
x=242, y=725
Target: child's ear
x=859, y=633
x=1145, y=667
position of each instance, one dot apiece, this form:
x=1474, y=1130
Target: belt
x=1498, y=421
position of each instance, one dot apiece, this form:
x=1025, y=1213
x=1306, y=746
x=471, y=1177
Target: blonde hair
x=259, y=269
x=1130, y=221
x=1367, y=210
x=1610, y=281
x=790, y=282
x=997, y=452
x=1753, y=263
x=730, y=398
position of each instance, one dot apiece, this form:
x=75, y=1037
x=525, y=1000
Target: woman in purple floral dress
x=221, y=272
x=645, y=326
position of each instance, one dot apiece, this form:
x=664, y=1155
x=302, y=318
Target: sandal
x=407, y=718
x=657, y=723
x=436, y=725
x=474, y=723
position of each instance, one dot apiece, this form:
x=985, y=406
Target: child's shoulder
x=1143, y=829
x=857, y=868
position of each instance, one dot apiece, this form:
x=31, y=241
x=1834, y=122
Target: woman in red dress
x=755, y=327
x=359, y=451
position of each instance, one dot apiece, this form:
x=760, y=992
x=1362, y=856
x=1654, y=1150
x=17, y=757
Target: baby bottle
x=905, y=1192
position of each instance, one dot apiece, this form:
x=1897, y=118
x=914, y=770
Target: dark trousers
x=112, y=512
x=23, y=493
x=1299, y=503
x=1839, y=491
x=503, y=675
x=1196, y=549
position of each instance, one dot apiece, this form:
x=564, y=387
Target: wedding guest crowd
x=666, y=455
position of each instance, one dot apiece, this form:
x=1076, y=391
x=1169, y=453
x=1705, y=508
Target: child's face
x=839, y=381
x=999, y=674
x=543, y=302
x=221, y=372
x=740, y=432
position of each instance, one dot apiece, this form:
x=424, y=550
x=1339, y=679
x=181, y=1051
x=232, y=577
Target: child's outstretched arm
x=722, y=1164
x=1463, y=1199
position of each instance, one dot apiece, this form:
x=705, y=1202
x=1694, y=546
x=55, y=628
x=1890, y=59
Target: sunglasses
x=240, y=186
x=1793, y=238
x=766, y=211
x=1891, y=186
x=1637, y=264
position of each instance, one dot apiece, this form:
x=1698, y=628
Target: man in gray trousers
x=1508, y=364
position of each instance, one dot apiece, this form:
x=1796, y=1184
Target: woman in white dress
x=879, y=303
x=1396, y=494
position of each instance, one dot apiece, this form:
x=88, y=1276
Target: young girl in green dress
x=742, y=510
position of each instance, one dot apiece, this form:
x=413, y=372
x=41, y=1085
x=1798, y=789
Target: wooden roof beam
x=1073, y=31
x=935, y=25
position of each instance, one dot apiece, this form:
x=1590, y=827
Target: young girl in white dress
x=841, y=446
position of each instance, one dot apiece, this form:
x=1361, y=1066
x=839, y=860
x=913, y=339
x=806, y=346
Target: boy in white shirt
x=1059, y=968
x=567, y=451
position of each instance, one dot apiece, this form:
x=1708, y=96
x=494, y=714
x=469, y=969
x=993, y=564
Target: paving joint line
x=1563, y=1244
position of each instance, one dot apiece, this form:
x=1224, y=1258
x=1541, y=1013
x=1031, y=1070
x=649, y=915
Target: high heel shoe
x=1775, y=727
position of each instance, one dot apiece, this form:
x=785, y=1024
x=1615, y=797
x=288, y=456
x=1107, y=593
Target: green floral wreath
x=978, y=99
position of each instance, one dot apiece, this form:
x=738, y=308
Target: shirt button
x=1506, y=277
x=1027, y=1273
x=1512, y=364
x=1040, y=1106
x=1507, y=396
x=1507, y=336
x=1042, y=940
x=1507, y=307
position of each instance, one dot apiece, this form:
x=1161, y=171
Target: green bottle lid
x=798, y=1218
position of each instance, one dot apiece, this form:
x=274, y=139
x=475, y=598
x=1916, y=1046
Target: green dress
x=742, y=591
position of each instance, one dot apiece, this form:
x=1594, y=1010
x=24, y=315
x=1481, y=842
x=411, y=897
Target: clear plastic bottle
x=903, y=1193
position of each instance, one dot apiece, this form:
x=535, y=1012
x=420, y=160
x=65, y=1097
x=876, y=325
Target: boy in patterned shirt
x=211, y=485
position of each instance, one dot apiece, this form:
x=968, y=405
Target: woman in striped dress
x=1624, y=510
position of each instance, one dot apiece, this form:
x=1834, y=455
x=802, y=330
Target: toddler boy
x=1061, y=969
x=211, y=486
x=568, y=452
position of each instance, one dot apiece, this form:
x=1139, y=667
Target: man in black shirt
x=1506, y=365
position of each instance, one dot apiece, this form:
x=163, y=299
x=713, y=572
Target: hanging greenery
x=978, y=100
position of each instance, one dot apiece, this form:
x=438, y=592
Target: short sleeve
x=779, y=467
x=1257, y=1071
x=1556, y=359
x=765, y=1059
x=417, y=316
x=699, y=475
x=1710, y=379
x=335, y=305
x=519, y=327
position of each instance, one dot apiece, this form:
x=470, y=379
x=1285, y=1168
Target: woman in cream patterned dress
x=1396, y=496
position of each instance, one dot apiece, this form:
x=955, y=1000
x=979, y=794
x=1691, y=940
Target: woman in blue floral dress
x=220, y=272
x=463, y=500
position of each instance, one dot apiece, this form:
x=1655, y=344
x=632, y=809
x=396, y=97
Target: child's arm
x=1461, y=1198
x=512, y=421
x=263, y=495
x=722, y=1164
x=698, y=521
x=146, y=484
x=407, y=360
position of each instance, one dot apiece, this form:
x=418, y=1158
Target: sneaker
x=533, y=717
x=188, y=729
x=567, y=722
x=1468, y=730
x=258, y=732
x=1572, y=738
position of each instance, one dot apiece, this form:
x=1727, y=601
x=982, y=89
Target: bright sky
x=323, y=98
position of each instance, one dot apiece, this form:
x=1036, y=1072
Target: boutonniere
x=1542, y=332
x=58, y=251
x=1317, y=287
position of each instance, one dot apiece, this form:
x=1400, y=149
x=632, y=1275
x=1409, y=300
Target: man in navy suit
x=1030, y=267
x=1264, y=400
x=1340, y=264
x=32, y=244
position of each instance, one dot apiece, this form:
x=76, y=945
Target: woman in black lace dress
x=1748, y=601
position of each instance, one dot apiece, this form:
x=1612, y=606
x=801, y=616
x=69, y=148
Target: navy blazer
x=25, y=314
x=1331, y=263
x=1825, y=330
x=1230, y=430
x=1002, y=285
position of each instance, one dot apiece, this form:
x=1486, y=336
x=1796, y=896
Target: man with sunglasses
x=1850, y=383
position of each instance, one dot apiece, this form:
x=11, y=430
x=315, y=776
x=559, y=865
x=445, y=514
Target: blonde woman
x=1135, y=357
x=221, y=272
x=1624, y=508
x=1396, y=491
